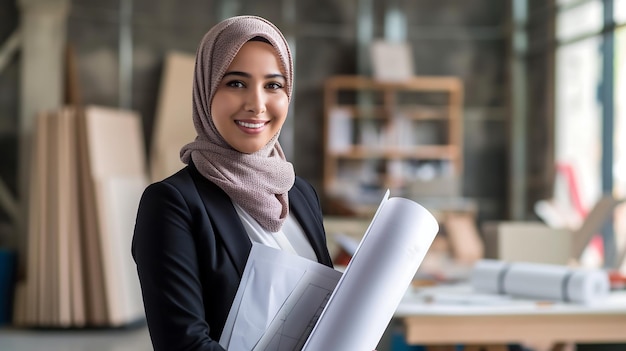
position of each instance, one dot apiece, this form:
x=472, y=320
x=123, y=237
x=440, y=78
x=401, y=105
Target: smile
x=250, y=125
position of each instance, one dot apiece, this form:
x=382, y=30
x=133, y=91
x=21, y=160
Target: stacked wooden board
x=173, y=124
x=89, y=170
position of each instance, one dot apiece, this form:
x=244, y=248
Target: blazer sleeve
x=167, y=264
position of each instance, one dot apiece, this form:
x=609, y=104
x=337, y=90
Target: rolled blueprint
x=540, y=281
x=376, y=278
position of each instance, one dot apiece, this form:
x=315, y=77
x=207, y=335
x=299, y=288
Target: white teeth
x=251, y=125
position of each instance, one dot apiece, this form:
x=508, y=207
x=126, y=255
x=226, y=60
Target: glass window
x=578, y=112
x=583, y=19
x=619, y=11
x=578, y=119
x=619, y=136
x=619, y=165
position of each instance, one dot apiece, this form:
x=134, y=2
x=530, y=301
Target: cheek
x=220, y=105
x=224, y=106
x=280, y=106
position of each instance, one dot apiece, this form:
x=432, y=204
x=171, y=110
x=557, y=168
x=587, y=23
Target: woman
x=195, y=229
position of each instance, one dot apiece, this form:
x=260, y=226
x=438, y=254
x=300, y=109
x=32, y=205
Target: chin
x=248, y=149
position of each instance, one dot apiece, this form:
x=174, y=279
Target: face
x=250, y=104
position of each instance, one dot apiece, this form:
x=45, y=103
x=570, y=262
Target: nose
x=255, y=101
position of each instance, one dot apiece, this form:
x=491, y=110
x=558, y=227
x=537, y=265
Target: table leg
x=486, y=348
x=441, y=348
x=550, y=346
x=564, y=347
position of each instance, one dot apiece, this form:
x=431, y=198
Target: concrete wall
x=449, y=37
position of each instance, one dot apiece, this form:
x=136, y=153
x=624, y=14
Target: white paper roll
x=540, y=281
x=376, y=279
x=485, y=275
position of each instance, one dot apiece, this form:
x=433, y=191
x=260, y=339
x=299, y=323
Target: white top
x=290, y=238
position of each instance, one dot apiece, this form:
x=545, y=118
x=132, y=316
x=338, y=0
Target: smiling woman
x=194, y=230
x=250, y=104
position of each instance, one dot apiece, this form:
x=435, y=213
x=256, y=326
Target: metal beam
x=125, y=55
x=365, y=35
x=519, y=97
x=608, y=103
x=287, y=133
x=8, y=203
x=10, y=47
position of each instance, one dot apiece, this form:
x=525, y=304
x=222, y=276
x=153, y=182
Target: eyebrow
x=248, y=75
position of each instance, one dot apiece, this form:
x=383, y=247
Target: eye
x=235, y=84
x=274, y=86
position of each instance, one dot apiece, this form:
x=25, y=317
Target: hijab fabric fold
x=257, y=182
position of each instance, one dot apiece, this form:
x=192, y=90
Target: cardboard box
x=537, y=242
x=527, y=242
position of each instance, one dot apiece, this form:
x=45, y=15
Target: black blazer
x=191, y=248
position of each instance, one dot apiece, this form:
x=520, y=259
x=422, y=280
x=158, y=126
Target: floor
x=130, y=339
x=137, y=339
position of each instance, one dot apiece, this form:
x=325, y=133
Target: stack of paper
x=89, y=170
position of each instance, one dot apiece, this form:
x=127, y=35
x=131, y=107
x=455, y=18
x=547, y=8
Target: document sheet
x=288, y=303
x=279, y=298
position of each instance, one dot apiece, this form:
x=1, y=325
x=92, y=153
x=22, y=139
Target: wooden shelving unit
x=380, y=135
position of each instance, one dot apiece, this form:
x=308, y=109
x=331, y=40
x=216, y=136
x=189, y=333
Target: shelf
x=380, y=135
x=431, y=152
x=422, y=83
x=357, y=112
x=423, y=112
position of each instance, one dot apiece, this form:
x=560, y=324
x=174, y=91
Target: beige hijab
x=257, y=182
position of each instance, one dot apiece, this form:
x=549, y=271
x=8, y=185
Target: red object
x=570, y=176
x=342, y=258
x=617, y=279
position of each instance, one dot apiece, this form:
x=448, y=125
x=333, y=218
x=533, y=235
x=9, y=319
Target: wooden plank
x=117, y=171
x=460, y=228
x=47, y=266
x=72, y=309
x=36, y=214
x=173, y=124
x=426, y=83
x=95, y=301
x=592, y=224
x=62, y=218
x=117, y=202
x=520, y=328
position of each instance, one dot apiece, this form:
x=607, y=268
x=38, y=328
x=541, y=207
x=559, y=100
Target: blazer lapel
x=233, y=234
x=225, y=219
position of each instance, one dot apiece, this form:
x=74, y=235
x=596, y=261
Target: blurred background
x=493, y=114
